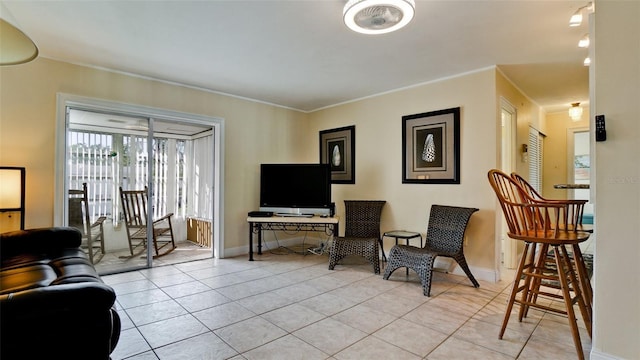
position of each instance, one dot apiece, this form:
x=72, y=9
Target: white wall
x=615, y=81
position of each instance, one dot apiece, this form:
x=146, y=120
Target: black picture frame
x=338, y=148
x=431, y=147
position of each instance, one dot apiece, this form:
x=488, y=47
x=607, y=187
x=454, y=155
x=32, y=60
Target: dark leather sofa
x=53, y=304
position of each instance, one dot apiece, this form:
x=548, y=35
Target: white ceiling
x=299, y=54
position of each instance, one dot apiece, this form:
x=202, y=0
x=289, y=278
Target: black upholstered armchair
x=53, y=304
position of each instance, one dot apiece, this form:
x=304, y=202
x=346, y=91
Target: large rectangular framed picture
x=338, y=148
x=431, y=147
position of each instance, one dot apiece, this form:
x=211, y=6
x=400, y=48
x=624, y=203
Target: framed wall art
x=431, y=147
x=338, y=148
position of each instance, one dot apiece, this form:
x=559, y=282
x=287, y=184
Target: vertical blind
x=535, y=159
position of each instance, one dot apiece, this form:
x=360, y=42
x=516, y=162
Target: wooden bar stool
x=548, y=230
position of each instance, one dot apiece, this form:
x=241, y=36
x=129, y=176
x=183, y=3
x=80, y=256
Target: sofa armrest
x=42, y=240
x=43, y=301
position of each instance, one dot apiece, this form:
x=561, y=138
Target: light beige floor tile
x=164, y=332
x=486, y=335
x=371, y=348
x=249, y=334
x=162, y=310
x=298, y=292
x=223, y=315
x=454, y=348
x=465, y=300
x=390, y=303
x=539, y=348
x=364, y=318
x=329, y=335
x=168, y=278
x=142, y=298
x=131, y=343
x=287, y=347
x=220, y=281
x=560, y=333
x=264, y=302
x=125, y=288
x=245, y=289
x=207, y=346
x=292, y=317
x=188, y=288
x=328, y=304
x=203, y=300
x=436, y=317
x=412, y=337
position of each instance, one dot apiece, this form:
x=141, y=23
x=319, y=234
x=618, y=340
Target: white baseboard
x=450, y=266
x=597, y=355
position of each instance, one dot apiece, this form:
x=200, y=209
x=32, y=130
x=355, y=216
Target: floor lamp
x=12, y=181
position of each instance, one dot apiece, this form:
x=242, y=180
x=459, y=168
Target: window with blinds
x=535, y=159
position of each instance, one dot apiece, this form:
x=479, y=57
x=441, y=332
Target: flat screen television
x=295, y=188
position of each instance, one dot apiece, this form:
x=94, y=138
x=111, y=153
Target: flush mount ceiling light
x=575, y=111
x=15, y=46
x=378, y=16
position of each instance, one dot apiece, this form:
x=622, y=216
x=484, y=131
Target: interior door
x=509, y=249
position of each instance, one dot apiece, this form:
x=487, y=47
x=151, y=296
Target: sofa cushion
x=26, y=277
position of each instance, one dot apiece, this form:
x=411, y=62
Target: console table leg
x=259, y=239
x=250, y=241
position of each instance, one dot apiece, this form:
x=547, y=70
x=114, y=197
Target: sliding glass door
x=136, y=171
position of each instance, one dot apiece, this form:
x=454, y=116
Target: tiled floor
x=292, y=307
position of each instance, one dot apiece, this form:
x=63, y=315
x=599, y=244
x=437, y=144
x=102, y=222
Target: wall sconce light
x=587, y=61
x=576, y=18
x=584, y=42
x=12, y=180
x=525, y=153
x=575, y=112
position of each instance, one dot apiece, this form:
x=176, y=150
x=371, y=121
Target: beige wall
x=258, y=133
x=527, y=114
x=255, y=132
x=378, y=124
x=615, y=81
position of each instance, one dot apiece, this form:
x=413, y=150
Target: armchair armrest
x=40, y=301
x=40, y=240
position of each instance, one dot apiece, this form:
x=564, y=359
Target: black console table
x=329, y=225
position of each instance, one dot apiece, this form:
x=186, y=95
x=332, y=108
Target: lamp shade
x=12, y=181
x=378, y=16
x=10, y=189
x=15, y=46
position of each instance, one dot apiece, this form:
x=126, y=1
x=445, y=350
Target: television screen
x=295, y=185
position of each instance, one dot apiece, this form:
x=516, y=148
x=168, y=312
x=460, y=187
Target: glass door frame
x=65, y=101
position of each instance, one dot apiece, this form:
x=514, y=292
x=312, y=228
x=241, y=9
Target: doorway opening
x=508, y=247
x=172, y=158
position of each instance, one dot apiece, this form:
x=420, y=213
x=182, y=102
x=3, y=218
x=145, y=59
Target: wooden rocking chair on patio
x=79, y=218
x=134, y=207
